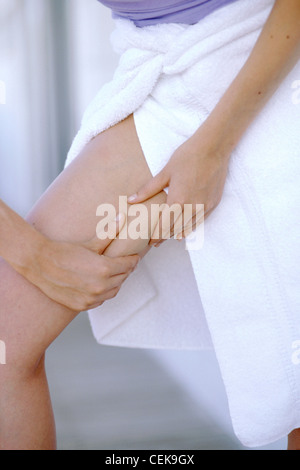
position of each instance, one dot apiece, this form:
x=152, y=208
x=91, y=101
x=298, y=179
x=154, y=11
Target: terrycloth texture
x=247, y=272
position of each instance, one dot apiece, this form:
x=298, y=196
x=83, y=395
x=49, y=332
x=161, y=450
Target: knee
x=21, y=361
x=18, y=357
x=17, y=371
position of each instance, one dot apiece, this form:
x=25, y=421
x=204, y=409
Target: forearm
x=18, y=240
x=274, y=55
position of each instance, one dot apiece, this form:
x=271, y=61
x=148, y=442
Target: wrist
x=26, y=257
x=21, y=245
x=228, y=121
x=213, y=140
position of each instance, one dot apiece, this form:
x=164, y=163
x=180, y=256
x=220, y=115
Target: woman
x=196, y=159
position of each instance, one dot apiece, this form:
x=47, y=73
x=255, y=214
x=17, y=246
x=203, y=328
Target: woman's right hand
x=77, y=276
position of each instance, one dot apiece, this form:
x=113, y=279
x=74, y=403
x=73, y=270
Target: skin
x=72, y=274
x=196, y=172
x=112, y=165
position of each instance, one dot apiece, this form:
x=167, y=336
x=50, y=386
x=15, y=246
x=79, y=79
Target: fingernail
x=132, y=198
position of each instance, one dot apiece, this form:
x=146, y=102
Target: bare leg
x=294, y=440
x=111, y=165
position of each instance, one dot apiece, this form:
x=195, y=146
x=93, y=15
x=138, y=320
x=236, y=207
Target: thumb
x=150, y=189
x=101, y=241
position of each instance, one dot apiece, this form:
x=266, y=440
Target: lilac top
x=149, y=12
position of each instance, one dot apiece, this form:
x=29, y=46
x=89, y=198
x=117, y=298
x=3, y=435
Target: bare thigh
x=111, y=165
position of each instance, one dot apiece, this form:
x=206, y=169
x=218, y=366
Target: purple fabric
x=149, y=12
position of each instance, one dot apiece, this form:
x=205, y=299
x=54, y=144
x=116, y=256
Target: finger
x=122, y=264
x=171, y=216
x=185, y=234
x=109, y=294
x=193, y=224
x=114, y=227
x=117, y=280
x=153, y=187
x=194, y=215
x=110, y=287
x=180, y=231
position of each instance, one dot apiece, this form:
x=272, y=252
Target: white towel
x=240, y=291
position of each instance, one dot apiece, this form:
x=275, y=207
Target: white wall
x=54, y=56
x=92, y=59
x=27, y=148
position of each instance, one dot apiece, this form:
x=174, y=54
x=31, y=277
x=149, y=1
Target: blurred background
x=54, y=56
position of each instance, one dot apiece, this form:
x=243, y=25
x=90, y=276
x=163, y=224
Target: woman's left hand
x=195, y=175
x=196, y=172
